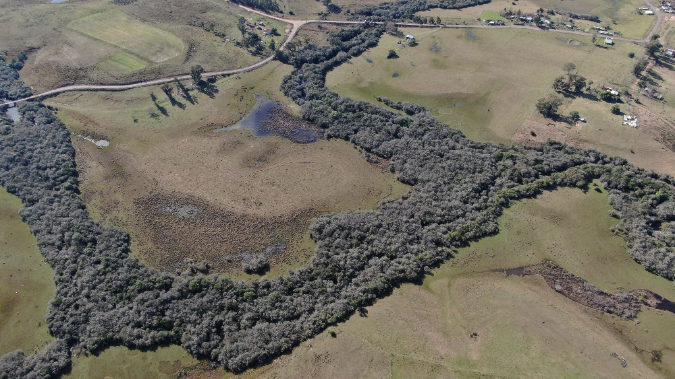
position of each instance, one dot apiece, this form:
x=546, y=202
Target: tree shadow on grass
x=161, y=110
x=662, y=63
x=186, y=93
x=208, y=89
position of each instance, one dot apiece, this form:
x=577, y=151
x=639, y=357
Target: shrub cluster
x=406, y=9
x=11, y=88
x=104, y=296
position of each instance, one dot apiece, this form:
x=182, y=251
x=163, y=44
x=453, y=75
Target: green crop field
x=27, y=283
x=123, y=31
x=489, y=15
x=126, y=62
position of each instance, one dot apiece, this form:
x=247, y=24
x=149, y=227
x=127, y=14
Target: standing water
x=267, y=118
x=12, y=112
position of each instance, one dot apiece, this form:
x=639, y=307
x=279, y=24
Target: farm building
x=609, y=41
x=653, y=93
x=409, y=36
x=267, y=32
x=649, y=13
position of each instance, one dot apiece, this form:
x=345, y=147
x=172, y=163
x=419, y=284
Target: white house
x=649, y=13
x=609, y=41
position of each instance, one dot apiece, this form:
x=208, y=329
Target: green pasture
x=468, y=320
x=121, y=30
x=121, y=362
x=619, y=16
x=27, y=282
x=486, y=86
x=127, y=62
x=489, y=15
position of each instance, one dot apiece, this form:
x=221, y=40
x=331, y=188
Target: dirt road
x=297, y=24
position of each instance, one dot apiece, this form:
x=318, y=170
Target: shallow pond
x=57, y=1
x=267, y=119
x=13, y=112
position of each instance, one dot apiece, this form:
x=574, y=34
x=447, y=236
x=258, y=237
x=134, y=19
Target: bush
x=256, y=265
x=548, y=106
x=392, y=54
x=616, y=110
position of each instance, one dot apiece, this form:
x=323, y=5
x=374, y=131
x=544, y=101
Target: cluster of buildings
x=258, y=26
x=667, y=7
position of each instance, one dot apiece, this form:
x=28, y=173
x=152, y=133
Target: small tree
x=392, y=54
x=574, y=115
x=272, y=46
x=639, y=67
x=251, y=40
x=167, y=89
x=569, y=67
x=616, y=110
x=579, y=83
x=548, y=106
x=241, y=25
x=631, y=55
x=196, y=73
x=560, y=84
x=653, y=47
x=438, y=20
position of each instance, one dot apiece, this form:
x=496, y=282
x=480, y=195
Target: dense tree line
x=11, y=88
x=104, y=296
x=406, y=9
x=264, y=5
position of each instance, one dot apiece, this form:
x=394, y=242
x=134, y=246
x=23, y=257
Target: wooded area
x=105, y=297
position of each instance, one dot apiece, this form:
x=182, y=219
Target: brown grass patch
x=248, y=193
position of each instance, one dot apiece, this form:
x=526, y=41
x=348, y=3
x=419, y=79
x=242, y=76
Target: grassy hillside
x=99, y=42
x=27, y=283
x=486, y=83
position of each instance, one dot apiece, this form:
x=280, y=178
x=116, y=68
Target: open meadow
x=486, y=83
x=27, y=283
x=100, y=42
x=248, y=193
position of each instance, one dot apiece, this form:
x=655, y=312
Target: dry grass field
x=121, y=30
x=246, y=193
x=26, y=283
x=99, y=42
x=486, y=83
x=469, y=320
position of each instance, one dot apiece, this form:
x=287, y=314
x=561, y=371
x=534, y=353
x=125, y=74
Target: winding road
x=297, y=24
